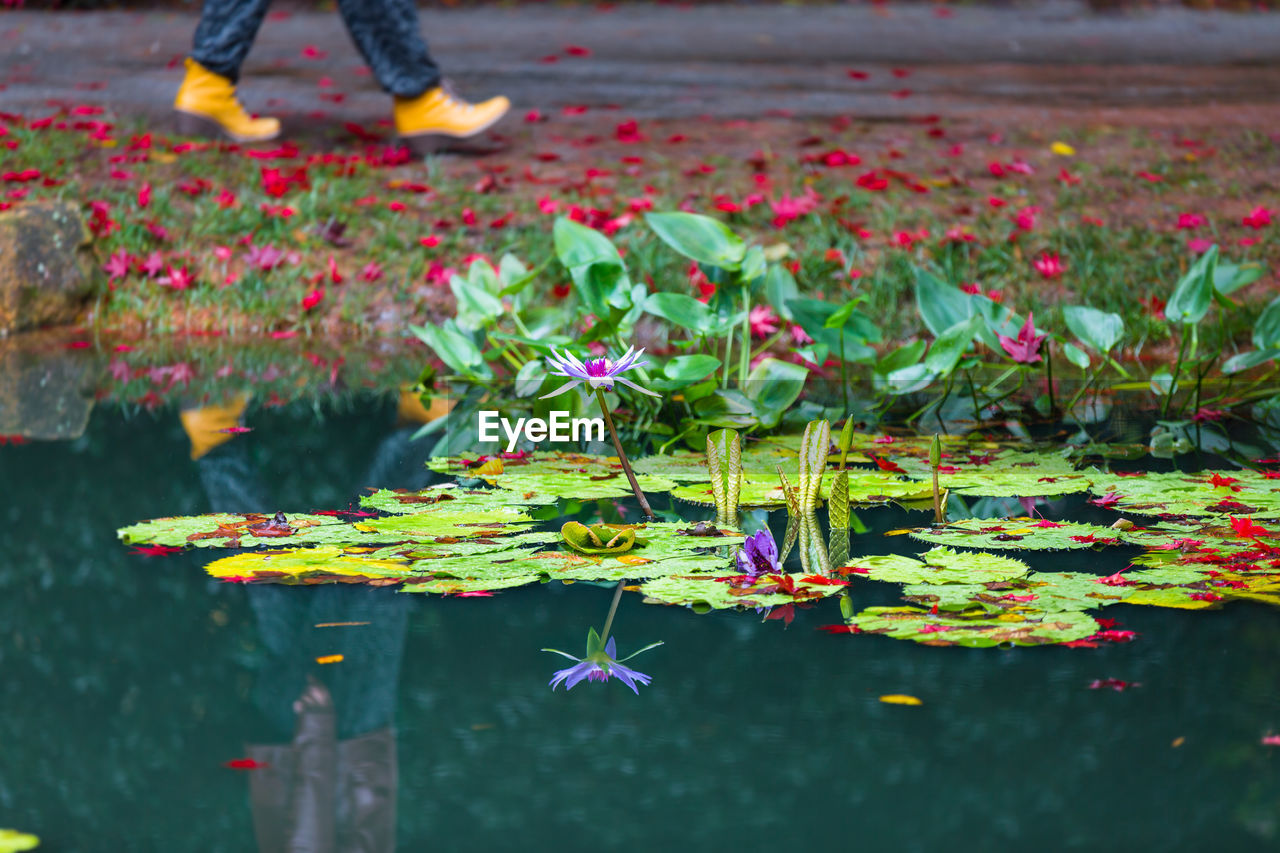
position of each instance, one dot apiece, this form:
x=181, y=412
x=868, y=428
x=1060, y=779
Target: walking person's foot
x=207, y=106
x=438, y=120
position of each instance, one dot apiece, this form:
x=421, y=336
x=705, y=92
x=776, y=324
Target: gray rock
x=45, y=272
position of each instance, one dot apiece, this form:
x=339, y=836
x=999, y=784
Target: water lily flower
x=759, y=555
x=597, y=373
x=600, y=664
x=1024, y=349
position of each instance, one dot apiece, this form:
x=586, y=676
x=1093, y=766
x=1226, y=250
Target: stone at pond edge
x=46, y=390
x=44, y=277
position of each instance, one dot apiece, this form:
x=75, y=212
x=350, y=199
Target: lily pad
x=450, y=498
x=245, y=530
x=1018, y=534
x=941, y=565
x=1004, y=474
x=461, y=525
x=555, y=474
x=1208, y=493
x=466, y=586
x=324, y=564
x=723, y=592
x=1031, y=628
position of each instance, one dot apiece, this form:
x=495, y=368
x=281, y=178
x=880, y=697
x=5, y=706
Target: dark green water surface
x=127, y=682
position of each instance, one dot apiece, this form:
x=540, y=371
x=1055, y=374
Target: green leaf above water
x=1033, y=628
x=1018, y=534
x=714, y=592
x=941, y=565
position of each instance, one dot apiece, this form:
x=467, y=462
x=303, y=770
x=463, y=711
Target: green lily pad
x=1209, y=493
x=450, y=498
x=555, y=474
x=1018, y=534
x=717, y=592
x=941, y=565
x=323, y=564
x=461, y=525
x=1004, y=474
x=244, y=530
x=1032, y=628
x=470, y=586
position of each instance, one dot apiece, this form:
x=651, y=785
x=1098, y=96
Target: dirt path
x=1054, y=62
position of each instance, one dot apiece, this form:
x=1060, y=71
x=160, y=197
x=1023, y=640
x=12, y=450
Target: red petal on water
x=245, y=764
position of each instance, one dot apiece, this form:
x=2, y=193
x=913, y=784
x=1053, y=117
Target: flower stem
x=622, y=457
x=613, y=608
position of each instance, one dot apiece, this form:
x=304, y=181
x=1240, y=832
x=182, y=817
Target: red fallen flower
x=576, y=50
x=1112, y=684
x=840, y=629
x=1205, y=596
x=1116, y=579
x=144, y=195
x=857, y=75
x=1259, y=217
x=156, y=550
x=1107, y=501
x=312, y=52
x=245, y=764
x=1115, y=636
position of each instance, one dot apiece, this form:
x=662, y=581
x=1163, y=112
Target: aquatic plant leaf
x=322, y=564
x=838, y=518
x=721, y=592
x=724, y=467
x=981, y=630
x=1003, y=474
x=1058, y=591
x=750, y=494
x=246, y=530
x=1180, y=597
x=1018, y=534
x=462, y=525
x=627, y=566
x=1207, y=493
x=452, y=546
x=450, y=497
x=940, y=565
x=555, y=474
x=598, y=539
x=1179, y=575
x=464, y=586
x=815, y=447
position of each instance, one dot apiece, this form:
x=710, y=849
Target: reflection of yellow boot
x=212, y=426
x=410, y=410
x=436, y=119
x=207, y=106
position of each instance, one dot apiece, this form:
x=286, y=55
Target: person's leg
x=225, y=33
x=206, y=101
x=427, y=116
x=387, y=35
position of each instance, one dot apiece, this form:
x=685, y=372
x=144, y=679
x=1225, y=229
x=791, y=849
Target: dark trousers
x=385, y=32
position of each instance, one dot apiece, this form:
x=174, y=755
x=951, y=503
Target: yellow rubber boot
x=437, y=119
x=212, y=426
x=207, y=106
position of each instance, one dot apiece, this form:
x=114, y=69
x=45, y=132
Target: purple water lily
x=597, y=373
x=600, y=664
x=759, y=555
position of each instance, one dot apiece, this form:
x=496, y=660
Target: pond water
x=128, y=682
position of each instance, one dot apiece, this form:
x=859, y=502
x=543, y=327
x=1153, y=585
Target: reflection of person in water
x=329, y=780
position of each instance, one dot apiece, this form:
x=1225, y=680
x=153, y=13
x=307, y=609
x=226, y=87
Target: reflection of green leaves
x=941, y=565
x=1019, y=534
x=981, y=630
